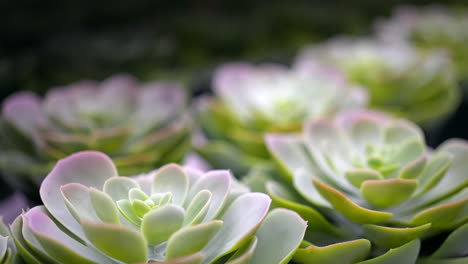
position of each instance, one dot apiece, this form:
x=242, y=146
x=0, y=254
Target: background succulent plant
x=429, y=28
x=368, y=175
x=172, y=215
x=418, y=86
x=251, y=100
x=140, y=126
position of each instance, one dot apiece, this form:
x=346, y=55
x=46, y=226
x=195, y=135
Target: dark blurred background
x=50, y=43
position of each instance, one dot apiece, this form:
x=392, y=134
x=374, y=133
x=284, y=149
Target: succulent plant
x=429, y=28
x=400, y=79
x=365, y=177
x=140, y=126
x=172, y=215
x=252, y=100
x=7, y=247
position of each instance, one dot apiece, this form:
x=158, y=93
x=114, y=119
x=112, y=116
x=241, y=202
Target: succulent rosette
x=399, y=78
x=365, y=178
x=429, y=28
x=252, y=100
x=141, y=126
x=172, y=215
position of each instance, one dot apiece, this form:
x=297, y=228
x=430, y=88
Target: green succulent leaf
x=347, y=253
x=388, y=193
x=158, y=225
x=192, y=239
x=393, y=237
x=117, y=241
x=277, y=242
x=351, y=210
x=406, y=254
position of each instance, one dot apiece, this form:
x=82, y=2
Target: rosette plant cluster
x=429, y=28
x=141, y=126
x=364, y=178
x=399, y=78
x=253, y=100
x=172, y=215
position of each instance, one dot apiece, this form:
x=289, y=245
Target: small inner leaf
x=413, y=169
x=126, y=208
x=388, y=193
x=137, y=194
x=357, y=176
x=171, y=178
x=159, y=224
x=192, y=239
x=140, y=208
x=118, y=187
x=198, y=208
x=105, y=208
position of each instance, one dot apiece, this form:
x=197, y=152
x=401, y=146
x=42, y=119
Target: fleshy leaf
x=409, y=152
x=159, y=224
x=413, y=169
x=389, y=192
x=244, y=254
x=126, y=208
x=402, y=131
x=357, y=176
x=117, y=241
x=3, y=248
x=190, y=240
x=391, y=237
x=78, y=201
x=89, y=168
x=406, y=254
x=137, y=194
x=440, y=216
x=118, y=187
x=198, y=208
x=104, y=206
x=171, y=178
x=218, y=182
x=351, y=210
x=455, y=245
x=435, y=170
x=57, y=243
x=277, y=241
x=233, y=231
x=283, y=198
x=344, y=253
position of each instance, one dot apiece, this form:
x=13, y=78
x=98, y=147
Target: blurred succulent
x=7, y=247
x=173, y=215
x=429, y=28
x=252, y=100
x=399, y=78
x=140, y=126
x=370, y=177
